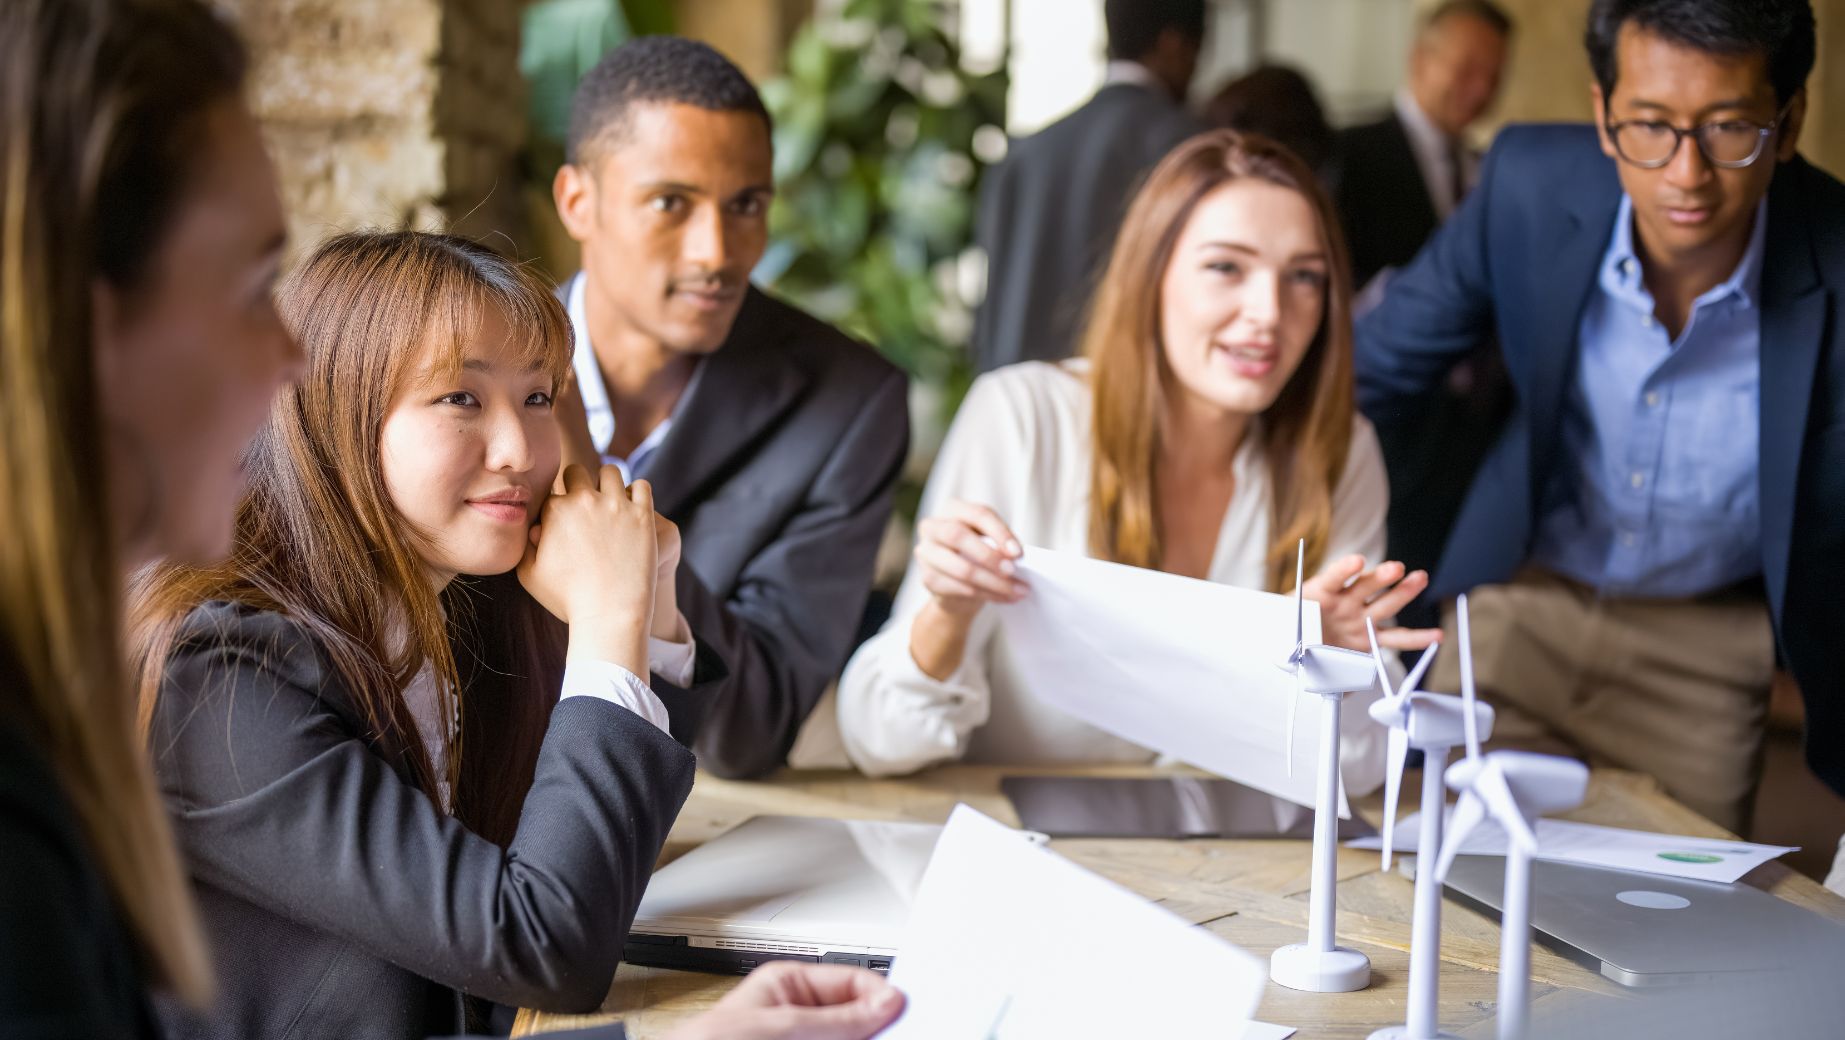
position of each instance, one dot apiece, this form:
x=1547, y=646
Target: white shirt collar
x=595, y=393
x=1431, y=147
x=1120, y=71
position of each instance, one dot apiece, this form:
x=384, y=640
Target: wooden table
x=1253, y=893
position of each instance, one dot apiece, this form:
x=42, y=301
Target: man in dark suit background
x=1049, y=212
x=1396, y=180
x=773, y=440
x=1666, y=506
x=1403, y=174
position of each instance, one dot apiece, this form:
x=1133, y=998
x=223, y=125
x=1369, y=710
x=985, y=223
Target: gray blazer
x=339, y=902
x=1048, y=216
x=779, y=471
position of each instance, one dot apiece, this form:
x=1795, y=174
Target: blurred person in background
x=1397, y=179
x=1279, y=103
x=1049, y=211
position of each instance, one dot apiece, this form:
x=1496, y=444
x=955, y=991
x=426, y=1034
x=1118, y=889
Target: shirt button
x=1646, y=321
x=1628, y=540
x=1637, y=480
x=1652, y=399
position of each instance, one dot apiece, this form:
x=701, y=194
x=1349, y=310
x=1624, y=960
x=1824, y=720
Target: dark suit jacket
x=339, y=901
x=779, y=471
x=1519, y=259
x=1048, y=216
x=1383, y=200
x=68, y=969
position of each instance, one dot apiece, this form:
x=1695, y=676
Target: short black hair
x=1134, y=26
x=669, y=69
x=1484, y=10
x=1780, y=30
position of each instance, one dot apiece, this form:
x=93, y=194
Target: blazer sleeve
x=787, y=627
x=279, y=803
x=1434, y=311
x=893, y=717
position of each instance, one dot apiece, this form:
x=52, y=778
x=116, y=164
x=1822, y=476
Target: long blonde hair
x=1307, y=431
x=102, y=105
x=318, y=539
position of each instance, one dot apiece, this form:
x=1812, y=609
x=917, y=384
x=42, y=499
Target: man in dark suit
x=771, y=439
x=1666, y=506
x=1396, y=180
x=1049, y=212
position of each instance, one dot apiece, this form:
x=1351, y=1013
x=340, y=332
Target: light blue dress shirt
x=1656, y=494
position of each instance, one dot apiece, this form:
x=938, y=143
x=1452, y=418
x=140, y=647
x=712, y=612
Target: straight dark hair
x=1781, y=31
x=318, y=539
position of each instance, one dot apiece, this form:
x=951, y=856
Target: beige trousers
x=1677, y=689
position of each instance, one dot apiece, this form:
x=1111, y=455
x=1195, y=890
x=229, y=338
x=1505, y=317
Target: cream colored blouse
x=1020, y=445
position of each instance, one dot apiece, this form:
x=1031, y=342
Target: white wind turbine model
x=1433, y=723
x=1318, y=965
x=1514, y=788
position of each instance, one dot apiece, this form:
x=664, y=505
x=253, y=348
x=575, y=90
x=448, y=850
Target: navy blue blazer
x=1519, y=259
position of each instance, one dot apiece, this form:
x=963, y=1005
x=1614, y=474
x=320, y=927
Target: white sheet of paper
x=1566, y=841
x=1010, y=941
x=1185, y=667
x=1267, y=1031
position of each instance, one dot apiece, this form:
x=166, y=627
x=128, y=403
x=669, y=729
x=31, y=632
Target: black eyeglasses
x=1731, y=143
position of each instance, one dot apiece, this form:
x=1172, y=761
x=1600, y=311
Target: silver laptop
x=1646, y=930
x=784, y=888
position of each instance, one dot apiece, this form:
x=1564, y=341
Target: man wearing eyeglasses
x=1667, y=502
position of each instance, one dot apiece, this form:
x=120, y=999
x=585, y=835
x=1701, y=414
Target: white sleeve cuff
x=606, y=680
x=673, y=661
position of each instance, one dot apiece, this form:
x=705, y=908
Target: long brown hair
x=1307, y=431
x=318, y=539
x=102, y=109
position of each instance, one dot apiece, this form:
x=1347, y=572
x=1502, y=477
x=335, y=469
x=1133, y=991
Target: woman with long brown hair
x=385, y=802
x=139, y=235
x=1207, y=429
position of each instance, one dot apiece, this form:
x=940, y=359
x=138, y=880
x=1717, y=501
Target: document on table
x=1566, y=841
x=1184, y=667
x=1010, y=941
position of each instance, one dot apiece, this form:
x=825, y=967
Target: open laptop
x=784, y=888
x=1646, y=930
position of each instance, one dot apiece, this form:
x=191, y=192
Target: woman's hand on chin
x=1348, y=593
x=593, y=562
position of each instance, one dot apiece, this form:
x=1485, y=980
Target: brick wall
x=391, y=113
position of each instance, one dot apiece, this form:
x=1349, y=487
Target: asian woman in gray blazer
x=392, y=816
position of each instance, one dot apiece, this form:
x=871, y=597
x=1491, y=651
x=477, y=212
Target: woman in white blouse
x=1207, y=428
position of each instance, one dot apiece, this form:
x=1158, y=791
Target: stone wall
x=391, y=113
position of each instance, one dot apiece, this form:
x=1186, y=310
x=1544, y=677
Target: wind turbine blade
x=1293, y=710
x=1467, y=694
x=1377, y=658
x=1491, y=787
x=1397, y=751
x=1468, y=812
x=1419, y=670
x=1300, y=595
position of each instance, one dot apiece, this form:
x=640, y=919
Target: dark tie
x=1457, y=170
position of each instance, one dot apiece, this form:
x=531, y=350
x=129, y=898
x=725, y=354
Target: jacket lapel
x=1570, y=263
x=748, y=383
x=1793, y=322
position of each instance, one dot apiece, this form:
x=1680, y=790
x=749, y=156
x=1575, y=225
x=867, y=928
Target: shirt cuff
x=606, y=680
x=673, y=661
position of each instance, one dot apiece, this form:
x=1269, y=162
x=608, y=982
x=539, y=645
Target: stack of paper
x=1184, y=667
x=1009, y=941
x=1564, y=841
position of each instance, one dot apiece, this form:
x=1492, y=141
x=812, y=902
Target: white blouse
x=1020, y=444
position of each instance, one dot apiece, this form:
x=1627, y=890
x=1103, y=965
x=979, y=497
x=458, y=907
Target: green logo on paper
x=1690, y=857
